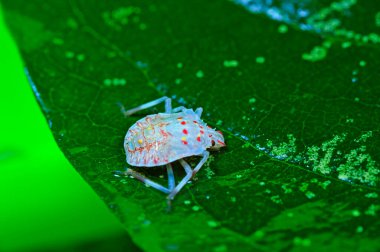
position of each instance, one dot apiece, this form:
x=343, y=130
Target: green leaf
x=297, y=98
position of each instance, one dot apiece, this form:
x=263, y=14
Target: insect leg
x=199, y=111
x=189, y=173
x=171, y=180
x=177, y=109
x=146, y=181
x=167, y=100
x=168, y=105
x=205, y=155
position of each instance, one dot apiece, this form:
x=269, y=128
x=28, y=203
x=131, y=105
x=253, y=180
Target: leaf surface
x=293, y=87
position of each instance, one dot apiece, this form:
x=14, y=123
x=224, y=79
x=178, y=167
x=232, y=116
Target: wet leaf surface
x=293, y=87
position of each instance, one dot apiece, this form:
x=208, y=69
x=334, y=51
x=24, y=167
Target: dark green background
x=294, y=86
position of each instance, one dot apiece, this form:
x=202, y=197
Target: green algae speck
x=107, y=82
x=346, y=44
x=372, y=195
x=260, y=60
x=325, y=184
x=196, y=208
x=58, y=41
x=290, y=215
x=212, y=224
x=142, y=26
x=71, y=23
x=316, y=54
x=354, y=165
x=284, y=150
x=69, y=54
x=199, y=74
x=252, y=100
x=276, y=199
x=246, y=145
x=304, y=187
x=81, y=57
x=377, y=19
x=314, y=180
x=259, y=234
x=283, y=29
x=230, y=63
x=302, y=242
x=187, y=202
x=178, y=81
x=209, y=173
x=359, y=229
x=310, y=194
x=355, y=213
x=120, y=17
x=372, y=210
x=114, y=82
x=363, y=138
x=286, y=189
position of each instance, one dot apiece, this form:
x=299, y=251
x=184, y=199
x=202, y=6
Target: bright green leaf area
x=44, y=204
x=299, y=109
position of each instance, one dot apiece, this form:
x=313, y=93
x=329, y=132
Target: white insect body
x=163, y=138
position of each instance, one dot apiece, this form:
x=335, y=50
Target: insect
x=163, y=138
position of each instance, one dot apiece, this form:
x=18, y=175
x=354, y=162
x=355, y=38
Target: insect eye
x=212, y=142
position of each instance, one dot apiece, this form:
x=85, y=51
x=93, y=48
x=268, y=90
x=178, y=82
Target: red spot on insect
x=209, y=135
x=202, y=132
x=184, y=131
x=195, y=122
x=219, y=132
x=163, y=133
x=200, y=126
x=179, y=118
x=183, y=122
x=184, y=142
x=209, y=127
x=221, y=143
x=198, y=139
x=155, y=160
